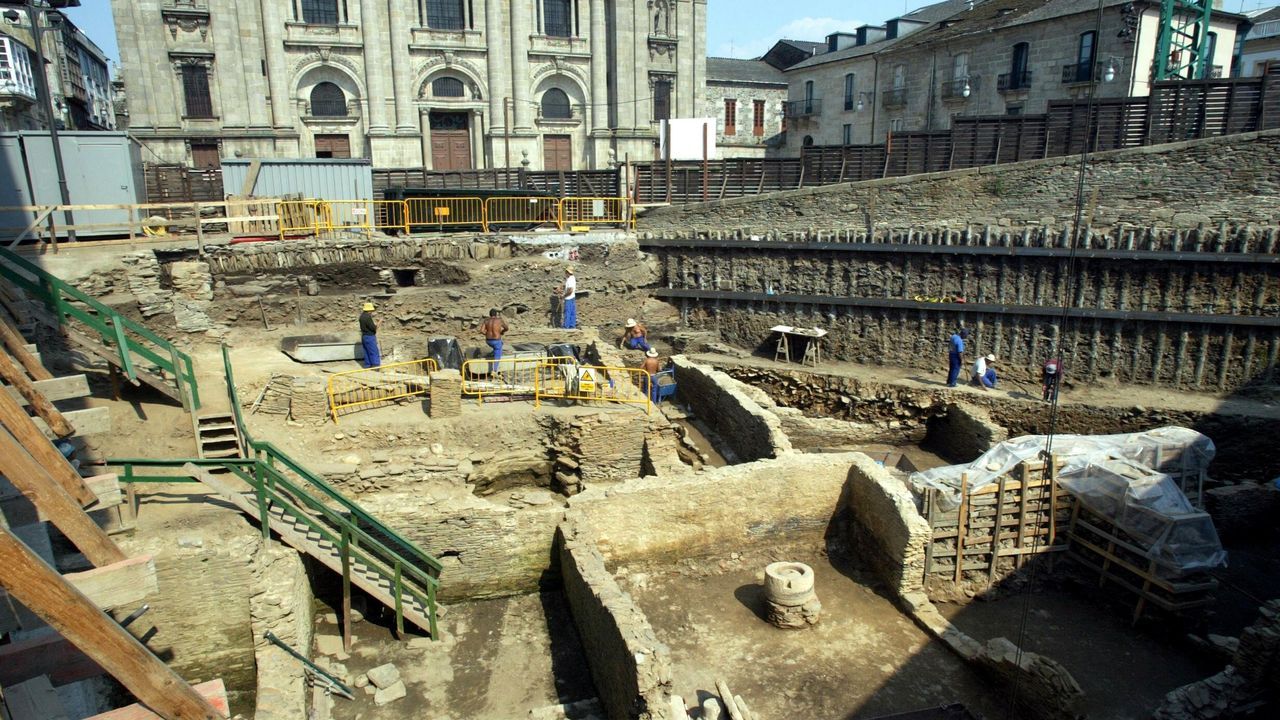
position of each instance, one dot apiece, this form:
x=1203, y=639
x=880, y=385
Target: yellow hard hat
x=368, y=306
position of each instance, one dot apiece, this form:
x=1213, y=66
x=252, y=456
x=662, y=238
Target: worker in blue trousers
x=369, y=337
x=984, y=372
x=955, y=356
x=636, y=337
x=568, y=294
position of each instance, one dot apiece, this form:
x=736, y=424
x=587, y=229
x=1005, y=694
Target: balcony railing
x=1215, y=71
x=893, y=98
x=803, y=108
x=957, y=89
x=1010, y=82
x=1081, y=73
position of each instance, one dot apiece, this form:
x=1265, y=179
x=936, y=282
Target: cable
x=1077, y=232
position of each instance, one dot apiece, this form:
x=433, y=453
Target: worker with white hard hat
x=984, y=372
x=636, y=336
x=569, y=294
x=369, y=337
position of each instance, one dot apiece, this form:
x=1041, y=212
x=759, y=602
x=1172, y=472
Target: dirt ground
x=498, y=659
x=863, y=659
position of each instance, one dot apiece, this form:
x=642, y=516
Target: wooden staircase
x=373, y=578
x=217, y=436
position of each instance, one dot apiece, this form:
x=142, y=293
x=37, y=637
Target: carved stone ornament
x=662, y=47
x=181, y=61
x=188, y=19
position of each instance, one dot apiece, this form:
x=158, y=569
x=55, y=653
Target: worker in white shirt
x=568, y=293
x=984, y=374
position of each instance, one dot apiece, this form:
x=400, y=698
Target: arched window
x=448, y=87
x=808, y=141
x=328, y=100
x=555, y=105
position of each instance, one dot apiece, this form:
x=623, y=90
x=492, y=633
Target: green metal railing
x=278, y=481
x=132, y=341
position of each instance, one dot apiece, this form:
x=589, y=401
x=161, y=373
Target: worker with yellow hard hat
x=369, y=337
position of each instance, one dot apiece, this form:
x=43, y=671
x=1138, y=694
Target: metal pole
x=42, y=87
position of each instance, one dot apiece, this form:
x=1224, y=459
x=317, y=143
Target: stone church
x=445, y=84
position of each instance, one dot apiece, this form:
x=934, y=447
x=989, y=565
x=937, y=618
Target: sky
x=735, y=28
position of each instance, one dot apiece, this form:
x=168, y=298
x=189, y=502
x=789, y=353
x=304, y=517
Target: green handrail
x=126, y=336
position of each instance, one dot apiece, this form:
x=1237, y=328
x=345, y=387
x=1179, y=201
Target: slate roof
x=736, y=70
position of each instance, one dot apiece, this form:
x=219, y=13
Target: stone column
x=521, y=15
x=424, y=119
x=493, y=38
x=599, y=61
x=628, y=66
x=401, y=65
x=375, y=62
x=277, y=82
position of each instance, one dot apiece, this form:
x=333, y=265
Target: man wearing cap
x=636, y=337
x=651, y=367
x=984, y=372
x=568, y=293
x=1051, y=378
x=955, y=356
x=369, y=337
x=494, y=328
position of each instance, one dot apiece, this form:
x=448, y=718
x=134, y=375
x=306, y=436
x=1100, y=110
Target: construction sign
x=586, y=380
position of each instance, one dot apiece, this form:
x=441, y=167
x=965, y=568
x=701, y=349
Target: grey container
x=102, y=168
x=312, y=178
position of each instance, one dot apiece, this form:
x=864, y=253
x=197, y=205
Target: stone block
x=389, y=694
x=446, y=394
x=384, y=676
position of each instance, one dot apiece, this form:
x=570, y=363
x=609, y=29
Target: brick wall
x=886, y=531
x=727, y=408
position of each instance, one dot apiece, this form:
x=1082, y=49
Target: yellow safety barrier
x=301, y=217
x=439, y=213
x=595, y=211
x=366, y=215
x=526, y=212
x=510, y=376
x=382, y=384
x=595, y=383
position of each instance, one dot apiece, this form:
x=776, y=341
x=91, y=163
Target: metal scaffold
x=1182, y=47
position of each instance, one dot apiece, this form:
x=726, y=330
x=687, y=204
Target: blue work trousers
x=372, y=356
x=571, y=313
x=496, y=345
x=638, y=343
x=953, y=374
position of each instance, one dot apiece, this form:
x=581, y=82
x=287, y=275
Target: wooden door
x=557, y=152
x=450, y=141
x=333, y=146
x=205, y=156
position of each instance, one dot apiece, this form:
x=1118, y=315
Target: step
x=218, y=454
x=208, y=441
x=209, y=427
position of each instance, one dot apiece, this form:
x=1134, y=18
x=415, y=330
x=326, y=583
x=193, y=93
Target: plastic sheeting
x=1118, y=477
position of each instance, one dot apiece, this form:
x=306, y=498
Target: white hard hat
x=991, y=358
x=653, y=352
x=631, y=322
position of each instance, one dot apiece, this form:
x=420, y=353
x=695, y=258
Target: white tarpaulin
x=686, y=138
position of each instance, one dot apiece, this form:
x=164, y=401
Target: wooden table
x=812, y=343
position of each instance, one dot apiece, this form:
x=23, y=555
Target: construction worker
x=568, y=294
x=494, y=328
x=636, y=337
x=955, y=356
x=369, y=337
x=984, y=372
x=1050, y=378
x=652, y=367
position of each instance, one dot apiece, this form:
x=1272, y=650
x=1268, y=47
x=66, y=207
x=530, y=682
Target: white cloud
x=805, y=28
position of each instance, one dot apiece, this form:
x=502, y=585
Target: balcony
x=1214, y=72
x=803, y=108
x=1081, y=73
x=890, y=99
x=957, y=90
x=1013, y=82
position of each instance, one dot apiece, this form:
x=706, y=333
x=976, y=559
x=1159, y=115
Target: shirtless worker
x=652, y=367
x=636, y=337
x=494, y=327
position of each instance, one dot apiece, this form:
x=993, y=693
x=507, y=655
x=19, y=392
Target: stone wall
x=375, y=250
x=1225, y=179
x=886, y=531
x=281, y=602
x=630, y=668
x=964, y=433
x=749, y=430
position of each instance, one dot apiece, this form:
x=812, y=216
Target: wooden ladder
x=217, y=436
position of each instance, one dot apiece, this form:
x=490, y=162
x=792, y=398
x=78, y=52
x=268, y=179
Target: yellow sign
x=586, y=380
x=442, y=211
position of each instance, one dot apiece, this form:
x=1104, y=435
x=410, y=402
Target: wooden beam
x=67, y=610
x=66, y=387
x=12, y=374
x=214, y=691
x=123, y=583
x=64, y=512
x=27, y=431
x=34, y=699
x=18, y=349
x=90, y=421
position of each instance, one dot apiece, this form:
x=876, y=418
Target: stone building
x=75, y=67
x=1261, y=46
x=747, y=98
x=441, y=84
x=919, y=70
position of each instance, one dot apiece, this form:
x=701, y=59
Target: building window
x=558, y=17
x=808, y=141
x=1086, y=51
x=808, y=97
x=783, y=113
x=960, y=66
x=320, y=12
x=730, y=117
x=899, y=77
x=445, y=14
x=1019, y=75
x=195, y=91
x=555, y=105
x=848, y=91
x=447, y=87
x=662, y=99
x=1210, y=50
x=328, y=100
x=205, y=156
x=757, y=118
x=846, y=135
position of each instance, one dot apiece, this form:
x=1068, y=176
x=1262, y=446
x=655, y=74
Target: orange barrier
x=596, y=211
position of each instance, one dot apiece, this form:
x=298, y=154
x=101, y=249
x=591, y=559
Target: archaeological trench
x=608, y=559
